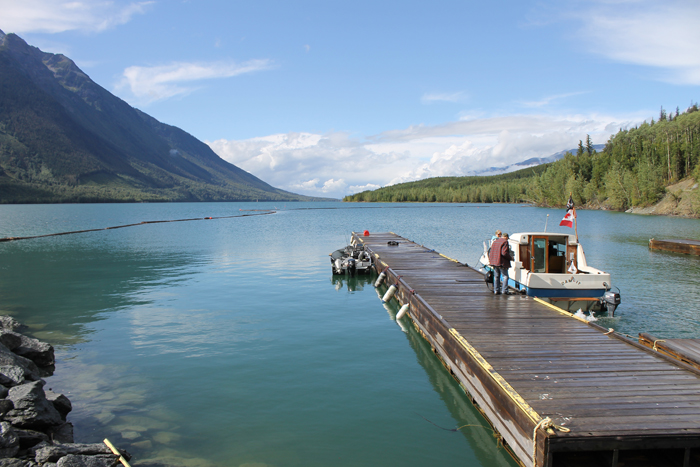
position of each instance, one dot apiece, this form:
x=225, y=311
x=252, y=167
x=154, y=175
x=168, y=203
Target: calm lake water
x=227, y=342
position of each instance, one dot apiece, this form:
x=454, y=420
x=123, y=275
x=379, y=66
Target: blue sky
x=329, y=98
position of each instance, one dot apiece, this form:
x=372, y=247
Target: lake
x=227, y=342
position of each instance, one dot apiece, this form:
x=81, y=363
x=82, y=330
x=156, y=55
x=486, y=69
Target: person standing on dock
x=499, y=258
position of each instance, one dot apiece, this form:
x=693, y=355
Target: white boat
x=353, y=259
x=553, y=267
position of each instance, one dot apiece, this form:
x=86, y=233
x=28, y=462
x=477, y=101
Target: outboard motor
x=351, y=266
x=610, y=301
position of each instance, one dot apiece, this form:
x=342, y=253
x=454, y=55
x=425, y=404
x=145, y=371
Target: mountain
x=533, y=161
x=64, y=138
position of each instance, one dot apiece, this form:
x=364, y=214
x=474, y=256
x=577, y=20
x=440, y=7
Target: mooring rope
x=655, y=342
x=453, y=429
x=11, y=239
x=548, y=425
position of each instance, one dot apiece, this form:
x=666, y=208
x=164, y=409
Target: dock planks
x=522, y=361
x=684, y=350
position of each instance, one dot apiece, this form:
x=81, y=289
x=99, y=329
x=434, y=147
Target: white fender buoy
x=402, y=311
x=380, y=279
x=389, y=293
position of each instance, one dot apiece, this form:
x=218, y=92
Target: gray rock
x=46, y=371
x=44, y=452
x=8, y=358
x=6, y=406
x=60, y=402
x=12, y=462
x=10, y=339
x=9, y=441
x=73, y=460
x=11, y=375
x=30, y=438
x=87, y=449
x=3, y=391
x=61, y=433
x=11, y=324
x=35, y=350
x=32, y=409
x=48, y=453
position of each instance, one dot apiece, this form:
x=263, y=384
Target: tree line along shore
x=633, y=171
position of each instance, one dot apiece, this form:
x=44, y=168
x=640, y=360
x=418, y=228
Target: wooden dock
x=559, y=391
x=684, y=350
x=688, y=247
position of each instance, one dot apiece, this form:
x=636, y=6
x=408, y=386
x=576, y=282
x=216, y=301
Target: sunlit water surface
x=227, y=342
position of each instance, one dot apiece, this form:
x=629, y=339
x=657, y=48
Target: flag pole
x=575, y=224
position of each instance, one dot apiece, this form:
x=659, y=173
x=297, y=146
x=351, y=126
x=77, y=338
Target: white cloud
x=545, y=101
x=663, y=35
x=50, y=16
x=319, y=165
x=335, y=164
x=149, y=84
x=429, y=98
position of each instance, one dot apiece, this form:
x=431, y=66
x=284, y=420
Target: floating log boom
x=558, y=390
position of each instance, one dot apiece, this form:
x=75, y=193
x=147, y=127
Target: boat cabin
x=544, y=252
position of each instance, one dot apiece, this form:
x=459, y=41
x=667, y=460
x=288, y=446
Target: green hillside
x=63, y=138
x=632, y=170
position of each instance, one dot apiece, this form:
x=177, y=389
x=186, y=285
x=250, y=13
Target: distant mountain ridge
x=533, y=161
x=64, y=138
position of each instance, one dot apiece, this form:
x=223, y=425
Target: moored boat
x=553, y=267
x=353, y=259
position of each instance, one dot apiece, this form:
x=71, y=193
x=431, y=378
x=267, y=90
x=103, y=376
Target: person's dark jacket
x=500, y=255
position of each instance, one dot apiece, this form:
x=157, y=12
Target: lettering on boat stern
x=571, y=281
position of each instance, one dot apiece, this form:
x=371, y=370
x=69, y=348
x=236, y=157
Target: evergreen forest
x=633, y=170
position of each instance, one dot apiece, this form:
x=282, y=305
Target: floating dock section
x=688, y=247
x=559, y=391
x=684, y=350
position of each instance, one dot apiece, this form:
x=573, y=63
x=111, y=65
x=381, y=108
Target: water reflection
x=470, y=423
x=352, y=283
x=61, y=288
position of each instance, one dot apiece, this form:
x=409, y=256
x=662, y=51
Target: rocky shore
x=33, y=426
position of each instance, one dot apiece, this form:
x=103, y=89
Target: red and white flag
x=568, y=219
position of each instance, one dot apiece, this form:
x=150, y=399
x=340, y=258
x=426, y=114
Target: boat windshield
x=548, y=254
x=539, y=255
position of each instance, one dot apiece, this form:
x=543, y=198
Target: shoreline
x=34, y=429
x=681, y=199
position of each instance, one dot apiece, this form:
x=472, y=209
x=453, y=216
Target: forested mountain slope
x=633, y=170
x=63, y=138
